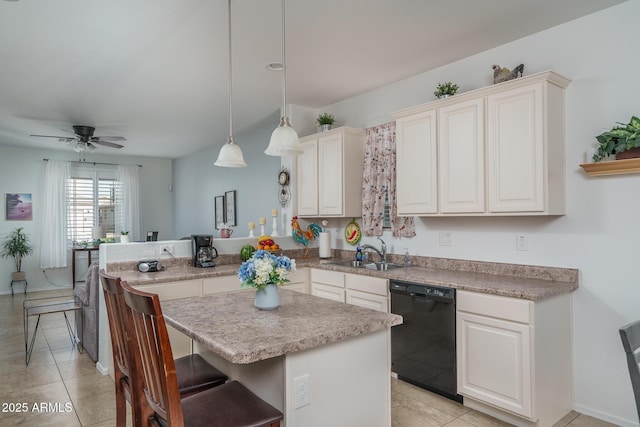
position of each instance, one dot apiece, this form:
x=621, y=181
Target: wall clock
x=285, y=194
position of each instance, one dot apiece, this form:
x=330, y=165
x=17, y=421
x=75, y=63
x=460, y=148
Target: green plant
x=124, y=233
x=325, y=119
x=16, y=245
x=446, y=88
x=618, y=139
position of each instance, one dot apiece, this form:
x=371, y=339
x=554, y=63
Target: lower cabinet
x=298, y=280
x=515, y=355
x=355, y=289
x=180, y=343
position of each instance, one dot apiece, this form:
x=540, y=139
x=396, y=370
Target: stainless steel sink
x=380, y=266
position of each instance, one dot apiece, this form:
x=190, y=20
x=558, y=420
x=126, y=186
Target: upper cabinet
x=329, y=174
x=493, y=151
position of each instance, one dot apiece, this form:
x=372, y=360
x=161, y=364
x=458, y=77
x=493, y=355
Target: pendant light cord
x=230, y=75
x=284, y=65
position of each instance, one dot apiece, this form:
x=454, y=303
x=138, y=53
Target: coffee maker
x=203, y=251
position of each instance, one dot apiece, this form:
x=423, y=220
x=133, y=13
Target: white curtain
x=53, y=239
x=128, y=201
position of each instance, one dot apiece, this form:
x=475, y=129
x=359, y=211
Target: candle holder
x=262, y=229
x=252, y=226
x=274, y=225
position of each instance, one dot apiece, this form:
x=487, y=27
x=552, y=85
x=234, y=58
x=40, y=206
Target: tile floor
x=75, y=394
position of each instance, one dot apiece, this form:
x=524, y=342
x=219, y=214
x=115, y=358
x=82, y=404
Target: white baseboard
x=605, y=416
x=102, y=369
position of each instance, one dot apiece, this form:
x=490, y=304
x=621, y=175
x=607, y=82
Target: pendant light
x=284, y=139
x=230, y=155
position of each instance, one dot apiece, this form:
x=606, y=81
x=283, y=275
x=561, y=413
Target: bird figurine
x=503, y=74
x=304, y=237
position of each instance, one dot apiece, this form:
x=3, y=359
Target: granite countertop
x=510, y=280
x=230, y=326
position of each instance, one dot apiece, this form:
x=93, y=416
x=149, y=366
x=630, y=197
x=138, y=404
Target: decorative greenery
x=16, y=245
x=618, y=139
x=325, y=119
x=264, y=268
x=124, y=233
x=446, y=88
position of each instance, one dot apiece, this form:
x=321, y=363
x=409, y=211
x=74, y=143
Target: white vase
x=124, y=238
x=325, y=128
x=267, y=298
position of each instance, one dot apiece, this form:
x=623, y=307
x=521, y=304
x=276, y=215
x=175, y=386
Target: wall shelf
x=614, y=167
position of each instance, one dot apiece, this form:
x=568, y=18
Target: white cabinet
x=329, y=174
x=461, y=157
x=355, y=289
x=497, y=151
x=416, y=164
x=299, y=280
x=180, y=343
x=515, y=355
x=221, y=285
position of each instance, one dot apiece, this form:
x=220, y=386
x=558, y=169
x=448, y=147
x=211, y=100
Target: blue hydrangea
x=265, y=268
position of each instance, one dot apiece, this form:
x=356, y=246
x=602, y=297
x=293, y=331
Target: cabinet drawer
x=174, y=290
x=333, y=278
x=373, y=285
x=299, y=287
x=326, y=291
x=299, y=276
x=367, y=300
x=516, y=310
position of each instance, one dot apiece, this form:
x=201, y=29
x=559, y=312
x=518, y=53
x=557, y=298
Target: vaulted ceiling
x=156, y=72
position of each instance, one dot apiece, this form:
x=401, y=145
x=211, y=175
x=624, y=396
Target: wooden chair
x=194, y=373
x=630, y=335
x=228, y=405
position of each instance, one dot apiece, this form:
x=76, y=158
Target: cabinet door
x=367, y=300
x=494, y=362
x=461, y=157
x=307, y=179
x=416, y=164
x=330, y=171
x=515, y=150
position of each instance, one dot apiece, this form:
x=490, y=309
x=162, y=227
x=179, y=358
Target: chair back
x=116, y=312
x=630, y=335
x=156, y=357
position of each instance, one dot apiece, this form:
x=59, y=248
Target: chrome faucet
x=382, y=252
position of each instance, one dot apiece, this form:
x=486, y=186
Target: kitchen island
x=336, y=355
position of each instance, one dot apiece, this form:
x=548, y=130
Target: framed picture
x=219, y=211
x=17, y=207
x=230, y=207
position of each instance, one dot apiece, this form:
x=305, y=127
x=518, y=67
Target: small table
x=40, y=306
x=73, y=261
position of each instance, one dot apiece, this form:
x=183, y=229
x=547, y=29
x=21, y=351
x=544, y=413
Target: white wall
x=21, y=171
x=599, y=235
x=197, y=181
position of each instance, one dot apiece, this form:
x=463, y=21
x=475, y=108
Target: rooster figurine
x=503, y=74
x=301, y=236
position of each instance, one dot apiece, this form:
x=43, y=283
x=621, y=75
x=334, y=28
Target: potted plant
x=623, y=141
x=16, y=245
x=445, y=90
x=265, y=272
x=325, y=121
x=124, y=237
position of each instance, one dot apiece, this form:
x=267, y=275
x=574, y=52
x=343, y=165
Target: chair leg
x=121, y=407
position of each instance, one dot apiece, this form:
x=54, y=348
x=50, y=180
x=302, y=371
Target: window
x=90, y=201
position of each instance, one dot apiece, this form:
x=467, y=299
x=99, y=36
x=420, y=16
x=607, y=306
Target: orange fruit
x=267, y=247
x=275, y=247
x=260, y=247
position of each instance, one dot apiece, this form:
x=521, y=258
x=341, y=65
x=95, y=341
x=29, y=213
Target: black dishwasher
x=423, y=348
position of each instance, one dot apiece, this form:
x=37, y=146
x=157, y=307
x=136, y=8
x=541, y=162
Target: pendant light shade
x=284, y=139
x=230, y=155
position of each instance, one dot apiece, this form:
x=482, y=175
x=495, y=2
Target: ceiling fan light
x=91, y=148
x=230, y=155
x=284, y=140
x=78, y=147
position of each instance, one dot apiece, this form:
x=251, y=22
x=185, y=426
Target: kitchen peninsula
x=337, y=353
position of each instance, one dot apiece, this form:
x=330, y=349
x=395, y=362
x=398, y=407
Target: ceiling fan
x=85, y=141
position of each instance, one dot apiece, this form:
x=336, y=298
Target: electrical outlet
x=302, y=391
x=166, y=250
x=446, y=238
x=522, y=242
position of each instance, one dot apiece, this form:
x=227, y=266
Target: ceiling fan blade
x=109, y=138
x=52, y=136
x=106, y=143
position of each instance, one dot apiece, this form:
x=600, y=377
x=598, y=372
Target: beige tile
x=55, y=394
x=50, y=419
x=459, y=422
x=66, y=354
x=566, y=419
x=23, y=376
x=78, y=367
x=95, y=408
x=481, y=420
x=442, y=403
x=587, y=421
x=89, y=385
x=407, y=412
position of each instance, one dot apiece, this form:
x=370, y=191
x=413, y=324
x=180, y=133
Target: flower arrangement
x=264, y=268
x=446, y=89
x=325, y=119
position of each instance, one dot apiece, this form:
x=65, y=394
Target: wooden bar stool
x=193, y=372
x=228, y=405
